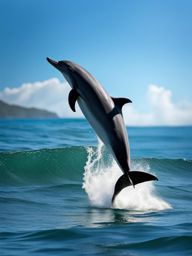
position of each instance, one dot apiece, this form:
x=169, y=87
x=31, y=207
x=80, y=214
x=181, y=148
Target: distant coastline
x=15, y=111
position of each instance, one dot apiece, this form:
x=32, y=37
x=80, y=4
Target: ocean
x=56, y=184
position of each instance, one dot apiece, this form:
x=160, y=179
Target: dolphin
x=104, y=114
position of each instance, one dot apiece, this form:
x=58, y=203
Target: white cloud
x=53, y=95
x=50, y=94
x=163, y=110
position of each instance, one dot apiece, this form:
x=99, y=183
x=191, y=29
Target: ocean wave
x=99, y=182
x=172, y=244
x=181, y=244
x=58, y=166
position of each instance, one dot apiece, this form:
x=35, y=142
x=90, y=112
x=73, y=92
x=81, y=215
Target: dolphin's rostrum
x=104, y=113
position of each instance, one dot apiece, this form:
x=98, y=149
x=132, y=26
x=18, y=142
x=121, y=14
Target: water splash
x=101, y=174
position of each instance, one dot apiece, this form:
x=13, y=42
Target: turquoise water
x=56, y=183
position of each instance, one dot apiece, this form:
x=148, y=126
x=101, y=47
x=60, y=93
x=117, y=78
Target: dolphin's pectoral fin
x=132, y=178
x=119, y=102
x=73, y=95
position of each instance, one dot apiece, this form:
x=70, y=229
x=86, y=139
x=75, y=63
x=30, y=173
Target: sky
x=136, y=49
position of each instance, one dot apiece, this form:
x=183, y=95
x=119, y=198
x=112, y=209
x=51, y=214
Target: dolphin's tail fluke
x=132, y=178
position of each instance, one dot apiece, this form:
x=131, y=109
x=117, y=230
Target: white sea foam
x=100, y=178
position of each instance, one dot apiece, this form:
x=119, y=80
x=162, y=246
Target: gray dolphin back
x=104, y=113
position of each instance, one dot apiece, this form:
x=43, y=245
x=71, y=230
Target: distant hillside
x=14, y=111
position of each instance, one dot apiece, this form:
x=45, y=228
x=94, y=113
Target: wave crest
x=99, y=181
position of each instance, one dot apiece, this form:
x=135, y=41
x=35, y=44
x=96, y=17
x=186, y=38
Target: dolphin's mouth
x=56, y=64
x=60, y=65
x=53, y=62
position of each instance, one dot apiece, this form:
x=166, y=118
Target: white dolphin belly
x=93, y=122
x=104, y=115
x=105, y=136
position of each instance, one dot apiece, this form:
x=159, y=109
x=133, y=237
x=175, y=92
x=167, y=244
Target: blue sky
x=126, y=45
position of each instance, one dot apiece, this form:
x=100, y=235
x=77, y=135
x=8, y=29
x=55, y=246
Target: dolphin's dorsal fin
x=73, y=95
x=119, y=102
